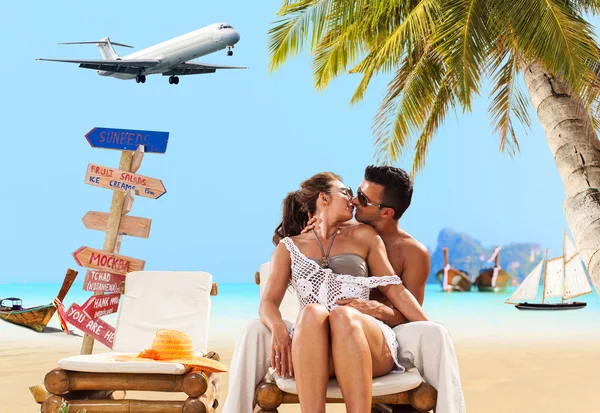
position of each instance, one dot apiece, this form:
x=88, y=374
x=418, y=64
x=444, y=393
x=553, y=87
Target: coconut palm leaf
x=444, y=100
x=408, y=100
x=289, y=35
x=464, y=41
x=559, y=39
x=507, y=99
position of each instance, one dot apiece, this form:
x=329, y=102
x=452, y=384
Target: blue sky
x=239, y=141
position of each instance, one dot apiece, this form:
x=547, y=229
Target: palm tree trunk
x=576, y=151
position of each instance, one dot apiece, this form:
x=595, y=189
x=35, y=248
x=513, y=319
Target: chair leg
x=423, y=398
x=268, y=397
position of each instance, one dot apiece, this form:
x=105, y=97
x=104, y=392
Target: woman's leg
x=360, y=353
x=310, y=357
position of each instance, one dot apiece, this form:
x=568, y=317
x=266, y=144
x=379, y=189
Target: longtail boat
x=38, y=317
x=493, y=279
x=452, y=279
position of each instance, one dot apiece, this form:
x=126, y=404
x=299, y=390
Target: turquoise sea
x=471, y=315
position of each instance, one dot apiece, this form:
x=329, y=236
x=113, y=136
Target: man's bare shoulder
x=410, y=247
x=363, y=231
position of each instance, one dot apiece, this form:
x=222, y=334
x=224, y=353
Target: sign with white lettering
x=100, y=281
x=98, y=329
x=100, y=305
x=111, y=178
x=102, y=260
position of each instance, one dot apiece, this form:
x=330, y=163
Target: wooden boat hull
x=457, y=282
x=575, y=305
x=484, y=281
x=35, y=318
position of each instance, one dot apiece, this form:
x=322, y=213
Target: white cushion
x=289, y=307
x=388, y=384
x=106, y=363
x=153, y=300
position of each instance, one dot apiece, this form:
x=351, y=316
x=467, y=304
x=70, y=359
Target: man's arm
x=414, y=277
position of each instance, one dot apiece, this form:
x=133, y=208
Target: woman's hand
x=281, y=351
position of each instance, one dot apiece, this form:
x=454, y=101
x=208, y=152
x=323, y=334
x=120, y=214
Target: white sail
x=528, y=289
x=569, y=247
x=576, y=282
x=554, y=278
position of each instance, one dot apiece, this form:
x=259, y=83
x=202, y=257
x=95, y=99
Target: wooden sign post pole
x=112, y=237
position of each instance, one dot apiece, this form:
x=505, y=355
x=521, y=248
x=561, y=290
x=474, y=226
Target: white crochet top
x=317, y=285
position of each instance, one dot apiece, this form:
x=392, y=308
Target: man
x=382, y=198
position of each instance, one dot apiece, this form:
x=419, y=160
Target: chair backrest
x=153, y=300
x=289, y=305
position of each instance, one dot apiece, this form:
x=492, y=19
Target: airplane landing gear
x=229, y=51
x=173, y=80
x=140, y=79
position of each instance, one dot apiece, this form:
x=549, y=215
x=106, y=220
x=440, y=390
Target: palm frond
x=404, y=108
x=417, y=25
x=442, y=102
x=508, y=99
x=552, y=33
x=338, y=49
x=289, y=36
x=463, y=40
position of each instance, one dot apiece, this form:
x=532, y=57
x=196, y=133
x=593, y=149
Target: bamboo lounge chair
x=406, y=392
x=152, y=300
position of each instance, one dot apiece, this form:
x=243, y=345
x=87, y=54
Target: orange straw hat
x=174, y=346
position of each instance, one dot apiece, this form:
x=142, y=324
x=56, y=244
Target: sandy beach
x=549, y=371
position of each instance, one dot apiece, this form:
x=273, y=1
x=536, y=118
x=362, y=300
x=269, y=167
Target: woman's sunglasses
x=364, y=201
x=347, y=192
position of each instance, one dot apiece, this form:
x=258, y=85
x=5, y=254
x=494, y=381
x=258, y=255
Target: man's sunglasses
x=364, y=201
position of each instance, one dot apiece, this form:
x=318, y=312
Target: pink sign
x=102, y=281
x=98, y=329
x=100, y=305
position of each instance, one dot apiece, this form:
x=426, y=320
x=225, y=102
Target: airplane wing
x=116, y=65
x=190, y=68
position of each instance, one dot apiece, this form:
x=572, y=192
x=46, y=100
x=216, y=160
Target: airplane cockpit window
x=225, y=26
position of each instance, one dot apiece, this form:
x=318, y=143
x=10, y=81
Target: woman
x=329, y=340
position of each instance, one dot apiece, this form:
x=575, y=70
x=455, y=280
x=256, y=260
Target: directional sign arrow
x=128, y=139
x=100, y=305
x=129, y=225
x=118, y=180
x=100, y=281
x=97, y=328
x=102, y=260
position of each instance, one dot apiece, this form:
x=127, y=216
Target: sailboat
x=564, y=277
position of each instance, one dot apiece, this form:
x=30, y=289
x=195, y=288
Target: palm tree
x=440, y=51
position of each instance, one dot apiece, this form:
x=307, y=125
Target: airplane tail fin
x=106, y=47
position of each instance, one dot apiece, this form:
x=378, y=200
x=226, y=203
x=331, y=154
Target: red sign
x=100, y=281
x=100, y=305
x=102, y=260
x=98, y=329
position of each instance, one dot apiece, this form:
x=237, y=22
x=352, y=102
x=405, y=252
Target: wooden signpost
x=108, y=268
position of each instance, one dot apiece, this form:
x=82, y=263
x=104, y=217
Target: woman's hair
x=297, y=205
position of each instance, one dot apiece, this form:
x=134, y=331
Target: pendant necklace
x=325, y=261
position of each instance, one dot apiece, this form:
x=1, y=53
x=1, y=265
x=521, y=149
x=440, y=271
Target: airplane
x=171, y=58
